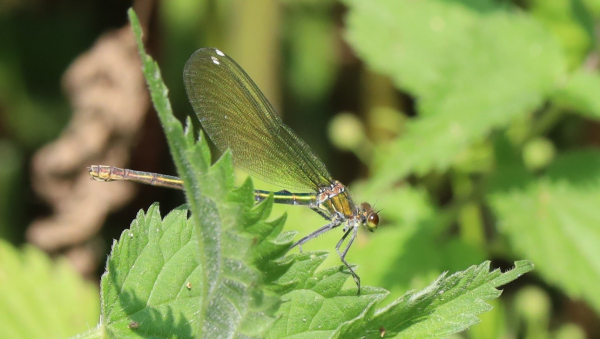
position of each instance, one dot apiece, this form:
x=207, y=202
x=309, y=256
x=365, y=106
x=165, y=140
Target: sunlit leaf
x=553, y=221
x=472, y=66
x=447, y=306
x=42, y=299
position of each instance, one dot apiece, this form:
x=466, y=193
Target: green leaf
x=40, y=298
x=554, y=221
x=317, y=305
x=472, y=69
x=152, y=283
x=447, y=306
x=153, y=279
x=581, y=94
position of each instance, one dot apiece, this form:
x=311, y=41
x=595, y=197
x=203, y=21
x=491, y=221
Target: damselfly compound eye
x=372, y=221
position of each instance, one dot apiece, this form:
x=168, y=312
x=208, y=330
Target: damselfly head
x=370, y=217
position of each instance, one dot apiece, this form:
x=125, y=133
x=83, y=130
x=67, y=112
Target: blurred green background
x=471, y=124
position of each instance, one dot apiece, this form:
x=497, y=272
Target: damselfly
x=236, y=115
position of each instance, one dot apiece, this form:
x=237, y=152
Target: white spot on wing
x=219, y=52
x=215, y=61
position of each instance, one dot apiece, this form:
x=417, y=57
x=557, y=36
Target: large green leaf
x=152, y=283
x=554, y=221
x=472, y=66
x=317, y=305
x=40, y=298
x=449, y=305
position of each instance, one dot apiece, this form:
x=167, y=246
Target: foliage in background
x=43, y=299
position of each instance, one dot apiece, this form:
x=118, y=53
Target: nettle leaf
x=554, y=221
x=152, y=286
x=471, y=68
x=315, y=304
x=152, y=283
x=40, y=298
x=449, y=305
